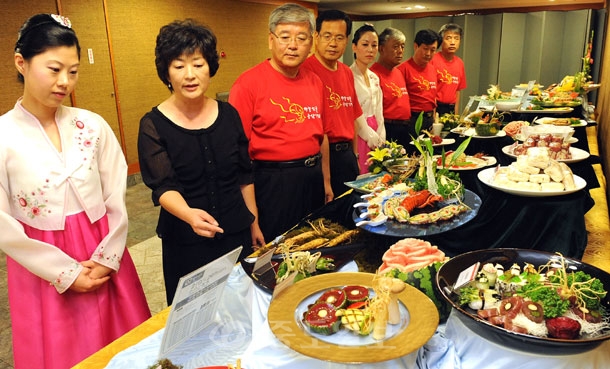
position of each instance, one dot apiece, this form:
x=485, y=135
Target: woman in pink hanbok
x=64, y=222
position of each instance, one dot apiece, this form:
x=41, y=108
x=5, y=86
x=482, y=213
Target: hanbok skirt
x=57, y=331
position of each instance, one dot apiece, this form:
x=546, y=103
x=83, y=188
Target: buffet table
x=241, y=330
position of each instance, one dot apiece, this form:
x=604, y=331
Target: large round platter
x=450, y=270
x=471, y=132
x=285, y=322
x=397, y=229
x=486, y=176
x=478, y=163
x=577, y=154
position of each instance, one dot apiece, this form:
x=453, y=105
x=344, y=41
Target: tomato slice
x=358, y=305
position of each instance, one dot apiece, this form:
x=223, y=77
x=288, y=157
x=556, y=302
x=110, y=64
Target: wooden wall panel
x=14, y=13
x=95, y=90
x=134, y=26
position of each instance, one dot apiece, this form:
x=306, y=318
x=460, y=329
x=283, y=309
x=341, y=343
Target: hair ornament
x=64, y=21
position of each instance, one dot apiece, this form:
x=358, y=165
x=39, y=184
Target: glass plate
x=397, y=229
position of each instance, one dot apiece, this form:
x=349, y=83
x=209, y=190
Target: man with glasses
x=449, y=68
x=332, y=29
x=420, y=76
x=281, y=106
x=396, y=105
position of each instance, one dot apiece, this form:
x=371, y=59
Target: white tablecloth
x=241, y=330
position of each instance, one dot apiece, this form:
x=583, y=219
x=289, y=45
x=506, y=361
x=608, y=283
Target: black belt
x=445, y=105
x=396, y=121
x=307, y=162
x=427, y=114
x=341, y=146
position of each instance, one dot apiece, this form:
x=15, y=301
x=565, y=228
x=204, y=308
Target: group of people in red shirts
x=301, y=113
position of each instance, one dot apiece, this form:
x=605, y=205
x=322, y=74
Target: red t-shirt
x=451, y=78
x=421, y=84
x=396, y=103
x=282, y=117
x=342, y=106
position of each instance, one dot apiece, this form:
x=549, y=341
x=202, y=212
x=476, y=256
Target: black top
x=206, y=166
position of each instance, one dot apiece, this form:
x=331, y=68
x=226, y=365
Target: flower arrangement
x=582, y=78
x=389, y=150
x=449, y=121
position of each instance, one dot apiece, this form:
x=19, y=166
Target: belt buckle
x=310, y=161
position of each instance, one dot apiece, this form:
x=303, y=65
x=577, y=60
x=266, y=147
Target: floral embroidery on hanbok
x=86, y=139
x=34, y=203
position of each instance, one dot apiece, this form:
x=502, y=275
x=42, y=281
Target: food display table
x=241, y=330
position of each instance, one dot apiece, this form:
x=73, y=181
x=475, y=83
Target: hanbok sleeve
x=42, y=259
x=113, y=174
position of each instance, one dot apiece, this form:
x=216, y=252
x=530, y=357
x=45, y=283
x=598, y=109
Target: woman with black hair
x=368, y=88
x=194, y=156
x=72, y=285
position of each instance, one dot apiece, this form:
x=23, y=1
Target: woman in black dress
x=194, y=156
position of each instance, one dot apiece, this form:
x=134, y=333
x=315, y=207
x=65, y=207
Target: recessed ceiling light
x=420, y=7
x=407, y=8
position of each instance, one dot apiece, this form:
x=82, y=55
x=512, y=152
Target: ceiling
x=421, y=7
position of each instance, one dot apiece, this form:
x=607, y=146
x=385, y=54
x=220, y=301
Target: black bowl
x=448, y=274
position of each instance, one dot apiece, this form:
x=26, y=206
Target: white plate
x=545, y=120
x=473, y=133
x=520, y=137
x=486, y=176
x=577, y=154
x=482, y=162
x=446, y=141
x=562, y=110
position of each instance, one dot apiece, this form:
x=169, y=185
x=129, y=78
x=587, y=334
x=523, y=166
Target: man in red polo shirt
x=396, y=105
x=332, y=29
x=281, y=106
x=420, y=76
x=450, y=69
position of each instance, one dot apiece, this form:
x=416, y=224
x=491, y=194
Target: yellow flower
x=379, y=154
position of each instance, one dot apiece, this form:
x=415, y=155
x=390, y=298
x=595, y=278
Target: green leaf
x=460, y=149
x=419, y=122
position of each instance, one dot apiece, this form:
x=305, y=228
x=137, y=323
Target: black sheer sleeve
x=155, y=165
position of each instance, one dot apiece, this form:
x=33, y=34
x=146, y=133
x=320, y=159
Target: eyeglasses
x=327, y=37
x=300, y=39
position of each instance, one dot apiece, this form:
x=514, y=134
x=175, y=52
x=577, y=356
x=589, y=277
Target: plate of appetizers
x=466, y=162
x=471, y=132
x=439, y=217
x=440, y=142
x=576, y=154
x=290, y=321
x=500, y=180
x=562, y=122
x=521, y=289
x=534, y=109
